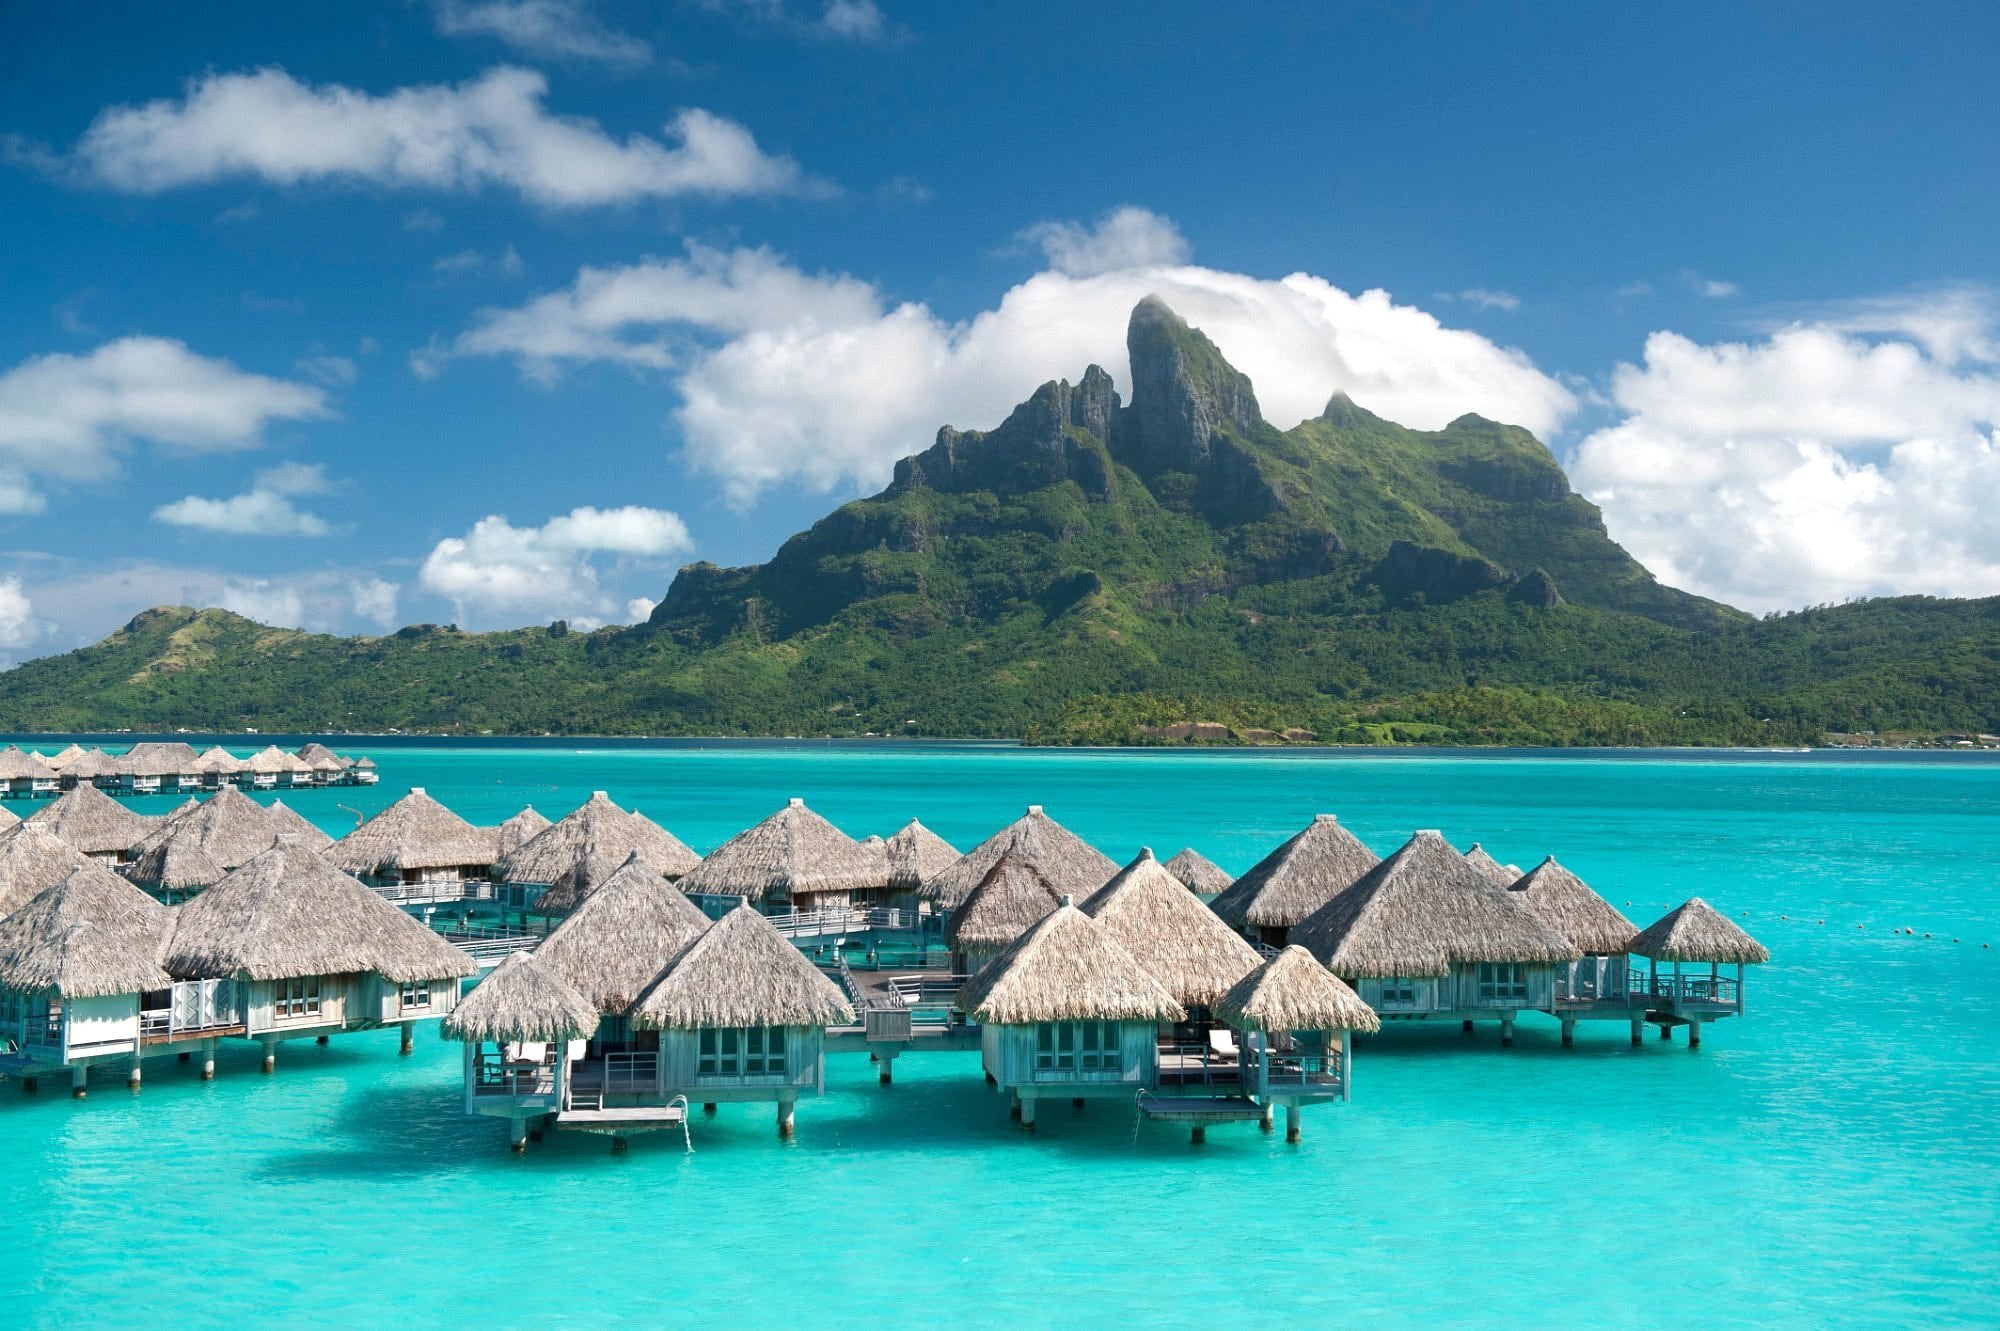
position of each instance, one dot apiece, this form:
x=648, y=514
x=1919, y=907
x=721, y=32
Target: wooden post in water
x=1270, y=1113
x=1694, y=1035
x=1506, y=1032
x=133, y=1077
x=887, y=1063
x=409, y=1040
x=1027, y=1113
x=1346, y=1066
x=1569, y=1031
x=29, y=1085
x=517, y=1134
x=618, y=1143
x=1197, y=1135
x=1291, y=1120
x=79, y=1078
x=270, y=1056
x=1466, y=1025
x=320, y=1040
x=785, y=1119
x=208, y=1060
x=1638, y=1031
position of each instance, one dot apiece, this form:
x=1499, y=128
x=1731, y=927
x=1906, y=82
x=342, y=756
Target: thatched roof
x=518, y=831
x=741, y=972
x=18, y=766
x=92, y=821
x=1422, y=911
x=91, y=765
x=290, y=822
x=1697, y=931
x=1577, y=913
x=218, y=759
x=177, y=863
x=270, y=760
x=521, y=999
x=574, y=885
x=158, y=758
x=795, y=852
x=1181, y=942
x=90, y=935
x=288, y=914
x=31, y=859
x=1009, y=899
x=598, y=828
x=416, y=832
x=318, y=755
x=1476, y=856
x=61, y=760
x=1071, y=863
x=228, y=826
x=1066, y=968
x=620, y=938
x=1293, y=992
x=916, y=855
x=1200, y=874
x=1297, y=878
x=8, y=818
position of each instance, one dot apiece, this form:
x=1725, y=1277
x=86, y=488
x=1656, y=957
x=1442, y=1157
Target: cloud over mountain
x=498, y=573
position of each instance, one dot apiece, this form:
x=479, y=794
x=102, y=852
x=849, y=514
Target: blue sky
x=494, y=311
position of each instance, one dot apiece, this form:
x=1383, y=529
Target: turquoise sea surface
x=1833, y=1157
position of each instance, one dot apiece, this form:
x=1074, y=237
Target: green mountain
x=1092, y=570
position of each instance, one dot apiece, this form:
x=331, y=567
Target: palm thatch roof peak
x=1071, y=863
x=288, y=914
x=31, y=859
x=92, y=821
x=1576, y=912
x=741, y=972
x=1066, y=968
x=574, y=885
x=1009, y=899
x=621, y=937
x=416, y=832
x=1697, y=931
x=1180, y=941
x=1293, y=992
x=290, y=822
x=916, y=855
x=598, y=828
x=518, y=831
x=61, y=760
x=1477, y=856
x=91, y=935
x=16, y=765
x=523, y=998
x=1422, y=911
x=794, y=852
x=228, y=827
x=1296, y=879
x=1202, y=875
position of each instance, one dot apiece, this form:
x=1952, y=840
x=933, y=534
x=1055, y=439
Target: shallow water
x=1829, y=1158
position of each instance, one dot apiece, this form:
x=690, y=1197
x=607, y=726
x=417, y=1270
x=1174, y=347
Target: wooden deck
x=1199, y=1108
x=633, y=1118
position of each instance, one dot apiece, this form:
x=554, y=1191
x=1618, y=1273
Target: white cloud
x=18, y=625
x=1123, y=238
x=1481, y=298
x=815, y=378
x=423, y=219
x=498, y=573
x=1824, y=461
x=1716, y=290
x=507, y=262
x=333, y=371
x=859, y=21
x=265, y=509
x=375, y=600
x=65, y=416
x=855, y=20
x=546, y=29
x=490, y=131
x=639, y=609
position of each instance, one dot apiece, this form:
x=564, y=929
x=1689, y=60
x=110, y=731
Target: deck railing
x=1713, y=990
x=443, y=889
x=1198, y=1065
x=925, y=988
x=1320, y=1071
x=494, y=1074
x=493, y=947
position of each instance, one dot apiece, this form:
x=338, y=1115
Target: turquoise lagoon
x=1829, y=1159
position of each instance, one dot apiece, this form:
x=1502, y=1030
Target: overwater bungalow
x=1595, y=985
x=81, y=985
x=218, y=767
x=315, y=951
x=1202, y=876
x=1066, y=1012
x=742, y=1017
x=1010, y=899
x=94, y=768
x=193, y=850
x=516, y=832
x=1425, y=936
x=1072, y=864
x=521, y=1025
x=264, y=769
x=32, y=859
x=1293, y=881
x=322, y=759
x=415, y=848
x=26, y=775
x=916, y=855
x=1297, y=1020
x=792, y=862
x=1181, y=942
x=156, y=767
x=289, y=821
x=1691, y=936
x=61, y=760
x=596, y=829
x=1503, y=874
x=94, y=823
x=363, y=773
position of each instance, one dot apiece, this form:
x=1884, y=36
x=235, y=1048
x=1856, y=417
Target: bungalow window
x=1399, y=991
x=1077, y=1046
x=293, y=999
x=417, y=995
x=1503, y=982
x=753, y=1052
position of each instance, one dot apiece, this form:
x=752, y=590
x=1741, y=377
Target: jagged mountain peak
x=1343, y=411
x=1185, y=395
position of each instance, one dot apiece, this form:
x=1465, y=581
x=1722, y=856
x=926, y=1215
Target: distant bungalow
x=415, y=842
x=1202, y=876
x=157, y=767
x=793, y=861
x=1285, y=887
x=94, y=823
x=1070, y=863
x=596, y=830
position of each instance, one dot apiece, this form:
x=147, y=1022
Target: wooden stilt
x=208, y=1060
x=1028, y=1113
x=1076, y=1103
x=79, y=1082
x=1694, y=1035
x=270, y=1056
x=183, y=1056
x=1569, y=1031
x=1197, y=1135
x=785, y=1119
x=1270, y=1113
x=1506, y=1032
x=320, y=1040
x=29, y=1085
x=618, y=1144
x=409, y=1045
x=1638, y=1031
x=1466, y=1026
x=517, y=1134
x=134, y=1076
x=1291, y=1120
x=708, y=1108
x=888, y=1065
